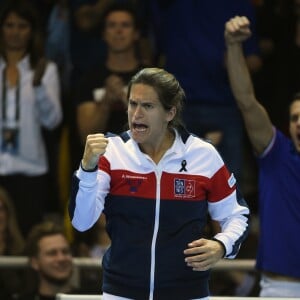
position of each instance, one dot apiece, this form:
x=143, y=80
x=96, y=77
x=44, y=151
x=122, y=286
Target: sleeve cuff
x=89, y=177
x=91, y=170
x=222, y=244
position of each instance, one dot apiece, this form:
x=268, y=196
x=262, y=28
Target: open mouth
x=139, y=127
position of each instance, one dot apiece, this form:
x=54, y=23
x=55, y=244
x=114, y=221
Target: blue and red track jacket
x=154, y=210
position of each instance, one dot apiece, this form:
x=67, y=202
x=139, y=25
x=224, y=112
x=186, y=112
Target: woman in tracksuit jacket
x=156, y=184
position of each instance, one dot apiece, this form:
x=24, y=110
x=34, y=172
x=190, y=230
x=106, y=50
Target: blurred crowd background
x=64, y=67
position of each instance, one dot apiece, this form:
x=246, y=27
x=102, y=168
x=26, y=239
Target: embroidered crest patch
x=184, y=188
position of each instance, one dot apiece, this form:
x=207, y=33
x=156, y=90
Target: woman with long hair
x=29, y=94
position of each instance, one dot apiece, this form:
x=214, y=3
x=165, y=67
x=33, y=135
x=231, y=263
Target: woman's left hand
x=203, y=254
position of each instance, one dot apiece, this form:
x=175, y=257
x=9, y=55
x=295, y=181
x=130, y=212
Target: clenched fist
x=95, y=146
x=237, y=30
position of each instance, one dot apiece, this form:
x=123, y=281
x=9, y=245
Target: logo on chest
x=133, y=182
x=184, y=188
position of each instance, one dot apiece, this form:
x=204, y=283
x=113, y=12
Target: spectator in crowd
x=29, y=101
x=50, y=258
x=101, y=96
x=11, y=243
x=156, y=183
x=279, y=173
x=87, y=50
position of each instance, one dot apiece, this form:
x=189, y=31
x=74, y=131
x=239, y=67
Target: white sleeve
x=89, y=190
x=232, y=213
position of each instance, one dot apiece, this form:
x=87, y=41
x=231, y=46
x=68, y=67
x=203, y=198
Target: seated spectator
x=11, y=243
x=50, y=258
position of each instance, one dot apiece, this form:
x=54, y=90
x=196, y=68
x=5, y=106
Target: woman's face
x=16, y=32
x=3, y=216
x=148, y=120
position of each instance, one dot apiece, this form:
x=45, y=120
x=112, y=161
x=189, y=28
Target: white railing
x=223, y=265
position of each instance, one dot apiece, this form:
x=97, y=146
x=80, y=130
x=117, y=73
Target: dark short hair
x=168, y=89
x=124, y=7
x=38, y=232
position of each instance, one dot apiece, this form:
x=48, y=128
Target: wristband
x=88, y=170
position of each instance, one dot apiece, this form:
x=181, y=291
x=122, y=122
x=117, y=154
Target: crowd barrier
x=223, y=265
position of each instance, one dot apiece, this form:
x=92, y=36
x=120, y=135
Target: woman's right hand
x=95, y=146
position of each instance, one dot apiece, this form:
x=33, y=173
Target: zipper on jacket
x=158, y=172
